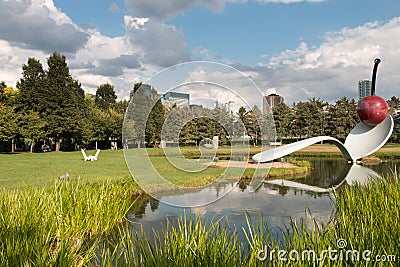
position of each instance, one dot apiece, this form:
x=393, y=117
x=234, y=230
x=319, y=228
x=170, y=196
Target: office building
x=174, y=98
x=271, y=101
x=364, y=88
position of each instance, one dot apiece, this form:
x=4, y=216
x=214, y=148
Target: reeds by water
x=84, y=225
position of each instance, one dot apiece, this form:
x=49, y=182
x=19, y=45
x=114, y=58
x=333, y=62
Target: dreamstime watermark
x=340, y=253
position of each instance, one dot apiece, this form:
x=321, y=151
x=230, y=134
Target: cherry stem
x=376, y=61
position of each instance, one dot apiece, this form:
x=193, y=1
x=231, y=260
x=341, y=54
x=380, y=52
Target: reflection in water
x=276, y=203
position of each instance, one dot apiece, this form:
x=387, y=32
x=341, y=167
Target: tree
x=147, y=112
x=64, y=101
x=343, y=118
x=32, y=90
x=8, y=124
x=105, y=96
x=252, y=124
x=155, y=122
x=308, y=118
x=2, y=87
x=11, y=97
x=394, y=105
x=121, y=106
x=394, y=111
x=32, y=127
x=283, y=118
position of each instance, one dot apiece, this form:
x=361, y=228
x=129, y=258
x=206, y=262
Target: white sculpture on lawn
x=90, y=158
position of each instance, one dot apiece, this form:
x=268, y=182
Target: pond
x=276, y=203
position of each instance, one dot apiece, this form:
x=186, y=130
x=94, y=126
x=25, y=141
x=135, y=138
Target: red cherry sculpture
x=372, y=109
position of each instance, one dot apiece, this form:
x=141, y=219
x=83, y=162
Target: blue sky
x=296, y=48
x=247, y=32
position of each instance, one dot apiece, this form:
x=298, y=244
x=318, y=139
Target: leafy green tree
x=174, y=122
x=147, y=111
x=343, y=118
x=32, y=127
x=105, y=96
x=8, y=124
x=32, y=87
x=394, y=105
x=115, y=121
x=155, y=122
x=9, y=100
x=252, y=124
x=121, y=106
x=2, y=87
x=394, y=111
x=308, y=118
x=64, y=101
x=315, y=121
x=283, y=118
x=138, y=107
x=11, y=97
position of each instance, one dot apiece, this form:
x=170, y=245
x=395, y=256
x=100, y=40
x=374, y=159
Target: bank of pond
x=116, y=224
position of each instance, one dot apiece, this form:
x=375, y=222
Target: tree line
x=51, y=105
x=317, y=117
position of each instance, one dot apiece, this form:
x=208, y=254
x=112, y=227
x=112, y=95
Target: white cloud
x=291, y=1
x=332, y=70
x=161, y=44
x=38, y=25
x=166, y=9
x=135, y=23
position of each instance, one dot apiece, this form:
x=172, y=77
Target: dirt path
x=242, y=164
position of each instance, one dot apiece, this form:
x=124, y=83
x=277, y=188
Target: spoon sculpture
x=364, y=139
x=351, y=175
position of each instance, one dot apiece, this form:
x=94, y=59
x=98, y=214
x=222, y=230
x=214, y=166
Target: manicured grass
x=42, y=169
x=24, y=170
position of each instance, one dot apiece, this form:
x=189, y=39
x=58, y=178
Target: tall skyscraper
x=364, y=88
x=271, y=101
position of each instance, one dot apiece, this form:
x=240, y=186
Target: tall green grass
x=77, y=224
x=60, y=227
x=366, y=219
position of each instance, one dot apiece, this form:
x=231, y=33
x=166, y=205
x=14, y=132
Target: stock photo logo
x=340, y=252
x=200, y=105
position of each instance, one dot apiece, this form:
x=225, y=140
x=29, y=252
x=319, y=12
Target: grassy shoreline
x=84, y=224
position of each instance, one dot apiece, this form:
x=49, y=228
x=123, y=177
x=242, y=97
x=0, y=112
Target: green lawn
x=24, y=170
x=42, y=169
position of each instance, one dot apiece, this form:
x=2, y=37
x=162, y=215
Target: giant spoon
x=363, y=140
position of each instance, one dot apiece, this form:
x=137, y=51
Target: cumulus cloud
x=161, y=44
x=115, y=67
x=290, y=1
x=38, y=25
x=166, y=9
x=333, y=69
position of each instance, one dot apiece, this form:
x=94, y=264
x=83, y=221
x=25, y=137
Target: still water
x=276, y=203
